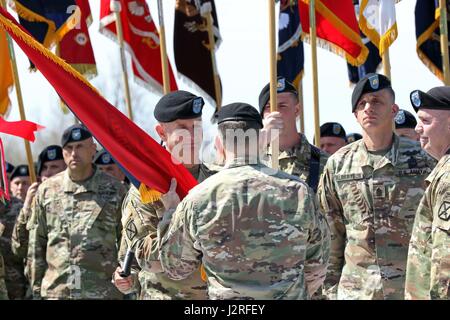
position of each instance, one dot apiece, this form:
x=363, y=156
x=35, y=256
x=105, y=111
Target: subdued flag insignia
x=51, y=154
x=106, y=158
x=444, y=211
x=197, y=105
x=336, y=129
x=131, y=230
x=374, y=82
x=400, y=118
x=76, y=134
x=415, y=98
x=281, y=84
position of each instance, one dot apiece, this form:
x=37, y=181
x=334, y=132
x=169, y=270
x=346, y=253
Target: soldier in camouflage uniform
x=369, y=191
x=3, y=290
x=75, y=227
x=428, y=267
x=50, y=162
x=16, y=283
x=175, y=111
x=297, y=156
x=257, y=232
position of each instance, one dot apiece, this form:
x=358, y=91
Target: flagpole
x=302, y=110
x=12, y=56
x=206, y=12
x=386, y=64
x=444, y=41
x=162, y=47
x=116, y=8
x=273, y=79
x=312, y=31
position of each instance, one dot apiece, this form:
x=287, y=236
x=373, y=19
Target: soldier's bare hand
x=171, y=198
x=124, y=285
x=273, y=124
x=30, y=195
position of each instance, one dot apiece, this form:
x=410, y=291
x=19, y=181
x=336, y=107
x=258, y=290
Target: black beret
x=352, y=137
x=405, y=119
x=238, y=111
x=372, y=82
x=20, y=171
x=436, y=98
x=282, y=86
x=332, y=129
x=50, y=153
x=178, y=105
x=9, y=167
x=103, y=158
x=77, y=132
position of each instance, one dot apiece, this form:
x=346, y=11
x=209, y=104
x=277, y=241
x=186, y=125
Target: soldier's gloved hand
x=273, y=125
x=171, y=199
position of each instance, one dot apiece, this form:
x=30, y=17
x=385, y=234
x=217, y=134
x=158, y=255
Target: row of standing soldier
x=340, y=227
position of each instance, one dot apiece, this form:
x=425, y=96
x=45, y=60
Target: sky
x=243, y=64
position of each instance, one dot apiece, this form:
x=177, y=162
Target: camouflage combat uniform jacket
x=16, y=282
x=428, y=268
x=156, y=285
x=258, y=236
x=302, y=160
x=20, y=234
x=3, y=291
x=75, y=231
x=371, y=212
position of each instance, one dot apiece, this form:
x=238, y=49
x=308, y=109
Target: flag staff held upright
x=302, y=109
x=386, y=64
x=206, y=12
x=20, y=101
x=313, y=34
x=162, y=46
x=273, y=78
x=444, y=41
x=116, y=8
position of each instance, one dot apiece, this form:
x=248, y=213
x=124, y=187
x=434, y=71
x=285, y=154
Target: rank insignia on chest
x=379, y=192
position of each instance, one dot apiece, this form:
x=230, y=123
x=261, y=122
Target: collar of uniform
x=242, y=161
x=301, y=149
x=75, y=187
x=391, y=155
x=194, y=171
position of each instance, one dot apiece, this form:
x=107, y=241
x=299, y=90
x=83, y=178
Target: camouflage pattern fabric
x=296, y=161
x=16, y=282
x=3, y=291
x=20, y=234
x=428, y=268
x=75, y=232
x=258, y=235
x=370, y=210
x=153, y=284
